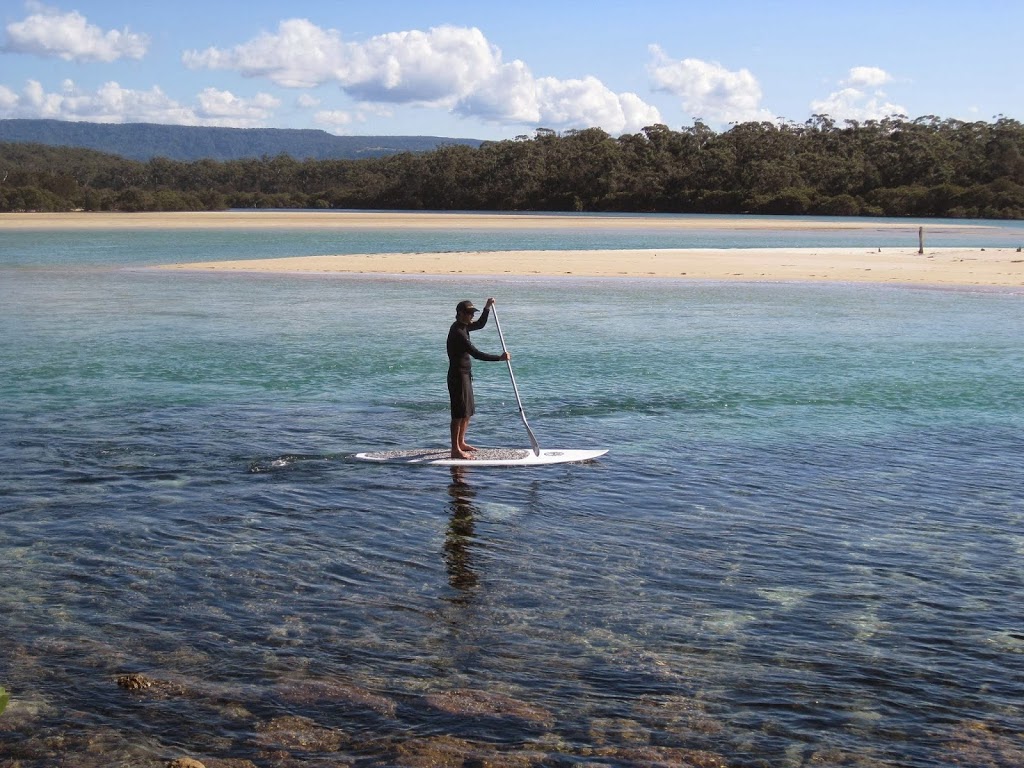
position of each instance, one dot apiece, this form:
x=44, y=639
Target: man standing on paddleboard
x=460, y=371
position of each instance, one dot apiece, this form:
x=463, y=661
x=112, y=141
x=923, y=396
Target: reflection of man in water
x=457, y=540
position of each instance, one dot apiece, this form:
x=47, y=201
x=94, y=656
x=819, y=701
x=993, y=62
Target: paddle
x=522, y=415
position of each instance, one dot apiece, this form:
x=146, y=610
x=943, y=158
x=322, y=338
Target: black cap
x=465, y=306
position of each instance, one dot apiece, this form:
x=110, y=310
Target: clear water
x=806, y=546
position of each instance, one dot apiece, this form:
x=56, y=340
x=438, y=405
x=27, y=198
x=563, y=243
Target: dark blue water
x=805, y=546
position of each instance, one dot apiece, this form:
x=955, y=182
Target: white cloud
x=434, y=68
x=854, y=104
x=111, y=103
x=43, y=104
x=508, y=95
x=334, y=119
x=513, y=95
x=867, y=77
x=70, y=36
x=227, y=109
x=449, y=67
x=854, y=100
x=8, y=99
x=708, y=90
x=589, y=102
x=307, y=102
x=637, y=112
x=300, y=55
x=430, y=67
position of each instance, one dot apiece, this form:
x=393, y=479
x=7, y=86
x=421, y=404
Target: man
x=460, y=371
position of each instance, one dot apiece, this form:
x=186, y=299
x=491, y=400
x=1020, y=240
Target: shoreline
x=941, y=267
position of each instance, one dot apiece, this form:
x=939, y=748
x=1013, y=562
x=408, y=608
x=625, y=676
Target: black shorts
x=460, y=390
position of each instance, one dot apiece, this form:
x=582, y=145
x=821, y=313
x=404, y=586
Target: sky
x=494, y=71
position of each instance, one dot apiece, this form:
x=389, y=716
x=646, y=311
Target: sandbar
x=942, y=266
x=992, y=267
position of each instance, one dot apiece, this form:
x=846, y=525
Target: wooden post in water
x=920, y=240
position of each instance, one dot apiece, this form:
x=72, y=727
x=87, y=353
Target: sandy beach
x=950, y=266
x=994, y=267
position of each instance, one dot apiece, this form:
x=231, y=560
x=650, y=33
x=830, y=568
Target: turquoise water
x=92, y=248
x=804, y=548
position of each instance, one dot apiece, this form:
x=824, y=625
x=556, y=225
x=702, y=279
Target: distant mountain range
x=143, y=141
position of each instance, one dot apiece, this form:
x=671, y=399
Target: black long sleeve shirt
x=461, y=349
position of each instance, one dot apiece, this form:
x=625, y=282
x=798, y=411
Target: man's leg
x=463, y=445
x=458, y=436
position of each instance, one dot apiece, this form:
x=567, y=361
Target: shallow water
x=804, y=548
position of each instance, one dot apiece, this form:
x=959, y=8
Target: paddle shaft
x=519, y=402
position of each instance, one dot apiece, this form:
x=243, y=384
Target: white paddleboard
x=482, y=457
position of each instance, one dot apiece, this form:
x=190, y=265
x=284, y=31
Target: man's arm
x=480, y=323
x=482, y=355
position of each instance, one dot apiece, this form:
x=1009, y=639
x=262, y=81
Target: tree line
x=892, y=167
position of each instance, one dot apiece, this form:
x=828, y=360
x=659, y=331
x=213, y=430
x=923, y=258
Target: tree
x=894, y=166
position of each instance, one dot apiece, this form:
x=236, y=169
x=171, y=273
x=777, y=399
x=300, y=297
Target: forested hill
x=144, y=141
x=890, y=167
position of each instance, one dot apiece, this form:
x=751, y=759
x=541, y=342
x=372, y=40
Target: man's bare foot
x=467, y=447
x=459, y=455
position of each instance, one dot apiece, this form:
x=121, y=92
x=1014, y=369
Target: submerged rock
x=23, y=712
x=682, y=716
x=140, y=682
x=134, y=682
x=467, y=702
x=664, y=757
x=831, y=757
x=618, y=730
x=302, y=733
x=191, y=762
x=101, y=747
x=976, y=743
x=437, y=752
x=452, y=752
x=315, y=691
x=643, y=666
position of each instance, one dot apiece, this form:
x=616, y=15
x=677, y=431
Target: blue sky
x=497, y=70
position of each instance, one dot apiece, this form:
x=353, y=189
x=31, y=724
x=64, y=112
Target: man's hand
x=490, y=302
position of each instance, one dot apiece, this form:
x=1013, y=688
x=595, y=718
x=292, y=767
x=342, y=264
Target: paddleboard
x=482, y=457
